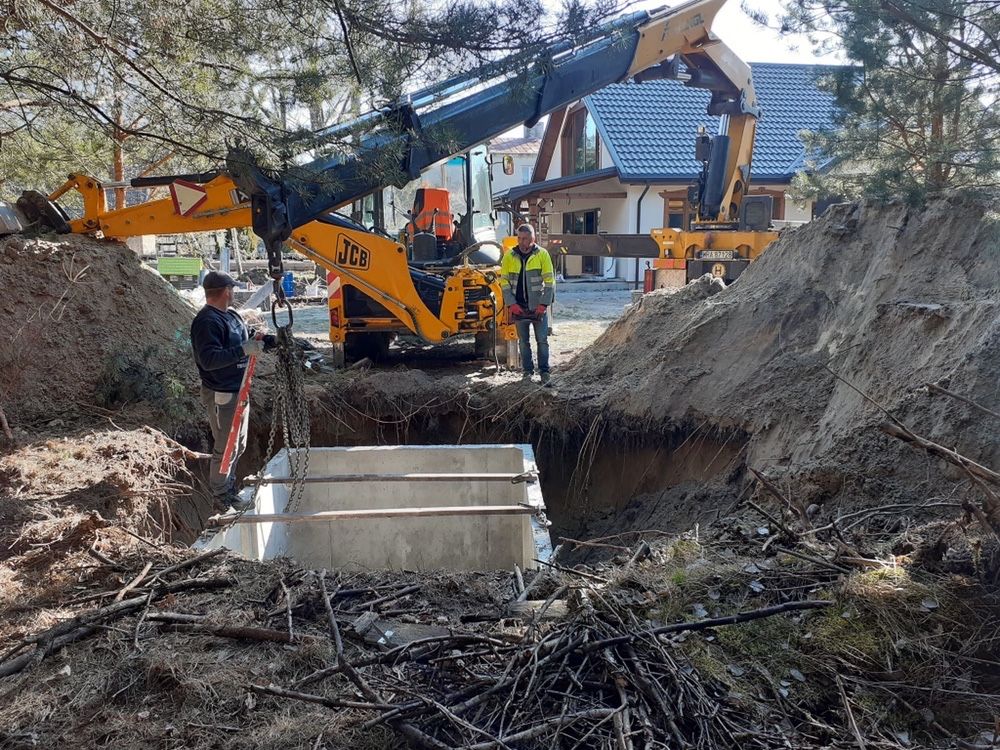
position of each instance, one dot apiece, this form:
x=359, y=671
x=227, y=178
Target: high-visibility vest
x=540, y=279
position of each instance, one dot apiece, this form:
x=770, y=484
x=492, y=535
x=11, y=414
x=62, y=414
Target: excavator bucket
x=11, y=222
x=41, y=213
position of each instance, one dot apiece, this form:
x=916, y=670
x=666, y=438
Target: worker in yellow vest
x=529, y=287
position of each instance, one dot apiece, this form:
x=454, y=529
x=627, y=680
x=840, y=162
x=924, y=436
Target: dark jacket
x=217, y=340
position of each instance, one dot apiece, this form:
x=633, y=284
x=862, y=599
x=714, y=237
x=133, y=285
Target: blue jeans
x=541, y=327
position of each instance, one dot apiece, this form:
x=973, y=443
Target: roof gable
x=650, y=128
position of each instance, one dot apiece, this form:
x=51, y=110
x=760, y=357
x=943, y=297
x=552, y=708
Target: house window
x=581, y=222
x=581, y=146
x=526, y=174
x=777, y=201
x=778, y=207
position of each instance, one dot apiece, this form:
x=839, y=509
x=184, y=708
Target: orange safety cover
x=426, y=200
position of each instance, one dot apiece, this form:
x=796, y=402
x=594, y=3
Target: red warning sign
x=187, y=196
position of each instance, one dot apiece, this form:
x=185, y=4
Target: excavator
x=429, y=283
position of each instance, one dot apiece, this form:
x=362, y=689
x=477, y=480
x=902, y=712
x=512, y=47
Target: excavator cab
x=430, y=230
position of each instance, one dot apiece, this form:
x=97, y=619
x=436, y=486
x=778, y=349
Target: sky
x=746, y=38
x=751, y=42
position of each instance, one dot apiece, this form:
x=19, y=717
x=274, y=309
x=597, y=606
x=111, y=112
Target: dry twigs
x=86, y=623
x=596, y=679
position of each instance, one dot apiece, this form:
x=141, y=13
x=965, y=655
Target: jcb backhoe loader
x=448, y=289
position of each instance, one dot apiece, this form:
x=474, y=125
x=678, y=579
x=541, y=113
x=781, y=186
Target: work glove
x=253, y=346
x=270, y=341
x=540, y=310
x=516, y=310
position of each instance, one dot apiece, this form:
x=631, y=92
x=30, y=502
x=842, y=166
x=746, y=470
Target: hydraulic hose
x=463, y=256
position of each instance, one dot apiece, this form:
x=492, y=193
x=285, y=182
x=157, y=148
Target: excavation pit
x=437, y=507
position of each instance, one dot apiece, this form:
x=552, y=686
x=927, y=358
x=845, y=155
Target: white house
x=620, y=160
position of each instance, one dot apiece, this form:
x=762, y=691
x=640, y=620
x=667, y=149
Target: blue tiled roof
x=650, y=128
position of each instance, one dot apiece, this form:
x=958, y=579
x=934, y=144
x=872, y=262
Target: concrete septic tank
x=450, y=507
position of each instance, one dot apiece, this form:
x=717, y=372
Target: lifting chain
x=289, y=403
x=290, y=409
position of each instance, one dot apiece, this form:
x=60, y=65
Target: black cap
x=217, y=280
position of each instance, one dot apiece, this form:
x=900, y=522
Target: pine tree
x=117, y=87
x=920, y=102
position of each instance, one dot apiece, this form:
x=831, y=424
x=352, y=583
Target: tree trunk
x=119, y=174
x=937, y=166
x=119, y=157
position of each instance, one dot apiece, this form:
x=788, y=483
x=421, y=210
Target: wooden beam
x=336, y=478
x=550, y=139
x=345, y=515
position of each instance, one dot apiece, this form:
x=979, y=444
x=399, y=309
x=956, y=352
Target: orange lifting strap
x=426, y=200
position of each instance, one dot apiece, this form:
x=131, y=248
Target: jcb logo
x=352, y=255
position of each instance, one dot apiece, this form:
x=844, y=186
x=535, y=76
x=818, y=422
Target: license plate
x=716, y=255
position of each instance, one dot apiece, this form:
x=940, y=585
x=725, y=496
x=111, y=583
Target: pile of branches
x=135, y=597
x=599, y=678
x=574, y=657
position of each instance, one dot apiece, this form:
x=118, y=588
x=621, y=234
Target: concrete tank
x=398, y=507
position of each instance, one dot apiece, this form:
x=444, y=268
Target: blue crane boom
x=441, y=120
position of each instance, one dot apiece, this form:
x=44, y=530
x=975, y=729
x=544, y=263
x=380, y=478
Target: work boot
x=546, y=378
x=526, y=376
x=239, y=505
x=223, y=503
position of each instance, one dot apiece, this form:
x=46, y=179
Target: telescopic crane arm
x=442, y=120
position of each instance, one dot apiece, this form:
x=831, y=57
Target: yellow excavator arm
x=222, y=206
x=375, y=265
x=685, y=32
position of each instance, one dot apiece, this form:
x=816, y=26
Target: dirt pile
x=89, y=325
x=63, y=500
x=873, y=300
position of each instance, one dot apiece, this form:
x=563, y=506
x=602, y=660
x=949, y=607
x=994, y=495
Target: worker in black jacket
x=222, y=346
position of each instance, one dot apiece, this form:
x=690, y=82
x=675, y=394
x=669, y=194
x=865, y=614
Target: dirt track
x=583, y=312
